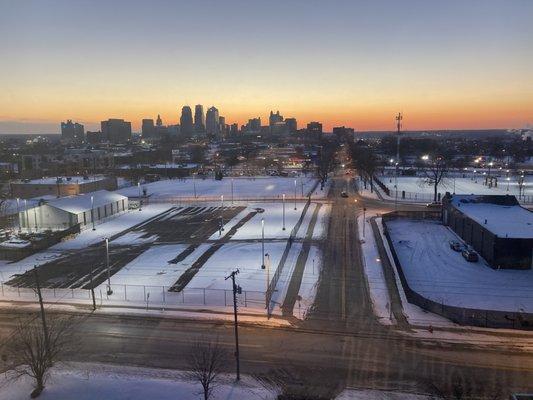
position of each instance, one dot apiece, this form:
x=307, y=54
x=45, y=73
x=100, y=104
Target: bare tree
x=365, y=161
x=206, y=360
x=327, y=162
x=32, y=350
x=435, y=170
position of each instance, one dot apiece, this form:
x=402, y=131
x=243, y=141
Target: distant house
x=68, y=211
x=497, y=227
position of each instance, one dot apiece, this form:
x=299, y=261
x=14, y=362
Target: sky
x=455, y=64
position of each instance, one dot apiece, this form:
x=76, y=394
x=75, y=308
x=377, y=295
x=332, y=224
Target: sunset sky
x=444, y=64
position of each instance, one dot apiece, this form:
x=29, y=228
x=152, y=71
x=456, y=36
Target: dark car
x=455, y=245
x=433, y=205
x=344, y=194
x=470, y=255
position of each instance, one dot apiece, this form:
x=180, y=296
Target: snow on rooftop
x=63, y=180
x=80, y=203
x=505, y=221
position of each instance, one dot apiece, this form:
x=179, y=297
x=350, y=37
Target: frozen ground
x=259, y=187
x=442, y=275
x=413, y=185
x=309, y=284
x=104, y=381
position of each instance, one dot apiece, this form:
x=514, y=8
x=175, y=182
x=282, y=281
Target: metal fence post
x=144, y=292
x=245, y=302
x=125, y=296
x=204, y=296
x=183, y=296
x=163, y=288
x=2, y=284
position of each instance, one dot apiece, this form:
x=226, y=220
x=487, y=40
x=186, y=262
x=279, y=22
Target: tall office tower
x=314, y=127
x=254, y=125
x=212, y=122
x=116, y=130
x=159, y=121
x=234, y=129
x=186, y=124
x=199, y=119
x=274, y=119
x=222, y=131
x=292, y=125
x=148, y=128
x=72, y=132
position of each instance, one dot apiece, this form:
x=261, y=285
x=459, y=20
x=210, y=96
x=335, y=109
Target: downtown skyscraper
x=199, y=119
x=186, y=122
x=212, y=122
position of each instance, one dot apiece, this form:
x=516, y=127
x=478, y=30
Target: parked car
x=455, y=245
x=470, y=255
x=344, y=194
x=434, y=204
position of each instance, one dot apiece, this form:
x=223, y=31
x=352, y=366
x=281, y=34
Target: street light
x=232, y=191
x=140, y=201
x=92, y=212
x=262, y=243
x=283, y=211
x=221, y=212
x=295, y=195
x=109, y=290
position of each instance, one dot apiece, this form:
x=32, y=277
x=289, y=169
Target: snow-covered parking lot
x=440, y=274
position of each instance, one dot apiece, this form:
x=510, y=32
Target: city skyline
x=458, y=65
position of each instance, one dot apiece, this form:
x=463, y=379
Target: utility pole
x=43, y=317
x=262, y=243
x=364, y=221
x=92, y=288
x=92, y=212
x=295, y=195
x=236, y=289
x=283, y=211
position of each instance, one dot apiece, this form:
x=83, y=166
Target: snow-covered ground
x=259, y=187
x=112, y=382
x=362, y=394
x=112, y=227
x=443, y=275
x=417, y=185
x=379, y=293
x=309, y=284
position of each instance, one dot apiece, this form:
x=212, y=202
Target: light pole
x=268, y=273
x=262, y=243
x=236, y=289
x=364, y=221
x=18, y=213
x=295, y=195
x=140, y=201
x=109, y=290
x=231, y=191
x=194, y=184
x=27, y=215
x=221, y=212
x=283, y=211
x=92, y=212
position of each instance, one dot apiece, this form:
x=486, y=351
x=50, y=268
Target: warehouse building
x=65, y=212
x=61, y=186
x=497, y=227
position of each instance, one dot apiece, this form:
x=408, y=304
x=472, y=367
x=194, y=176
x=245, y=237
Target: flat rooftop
x=511, y=221
x=80, y=203
x=63, y=180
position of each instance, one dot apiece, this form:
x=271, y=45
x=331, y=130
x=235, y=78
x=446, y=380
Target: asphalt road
x=339, y=345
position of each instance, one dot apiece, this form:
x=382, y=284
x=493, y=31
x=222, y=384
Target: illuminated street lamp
x=262, y=243
x=283, y=211
x=140, y=201
x=222, y=212
x=92, y=212
x=425, y=157
x=109, y=290
x=295, y=195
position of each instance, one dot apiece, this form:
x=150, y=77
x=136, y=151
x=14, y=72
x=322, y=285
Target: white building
x=68, y=211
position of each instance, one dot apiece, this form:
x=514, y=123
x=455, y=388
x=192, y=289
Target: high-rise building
x=159, y=121
x=212, y=121
x=186, y=123
x=116, y=130
x=292, y=125
x=148, y=128
x=234, y=129
x=72, y=132
x=222, y=131
x=314, y=127
x=199, y=119
x=274, y=119
x=254, y=125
